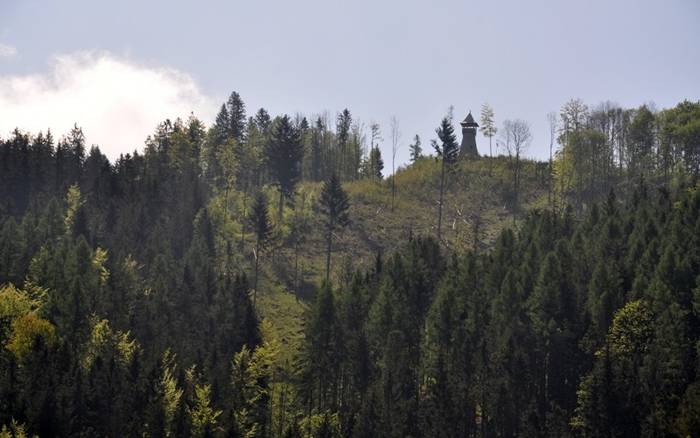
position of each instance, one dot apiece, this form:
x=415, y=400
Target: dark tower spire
x=468, y=148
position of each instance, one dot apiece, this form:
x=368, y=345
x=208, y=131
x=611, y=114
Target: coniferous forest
x=269, y=276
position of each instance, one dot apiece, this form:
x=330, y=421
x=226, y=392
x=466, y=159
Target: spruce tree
x=343, y=125
x=376, y=163
x=334, y=206
x=415, y=149
x=317, y=150
x=284, y=154
x=237, y=118
x=262, y=228
x=222, y=126
x=324, y=351
x=447, y=153
x=263, y=121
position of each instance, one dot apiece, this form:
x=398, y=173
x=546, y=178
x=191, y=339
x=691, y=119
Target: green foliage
x=631, y=330
x=284, y=154
x=448, y=148
x=334, y=206
x=415, y=149
x=170, y=393
x=260, y=221
x=16, y=430
x=106, y=345
x=488, y=124
x=202, y=416
x=28, y=333
x=251, y=372
x=135, y=316
x=322, y=425
x=447, y=151
x=13, y=304
x=73, y=199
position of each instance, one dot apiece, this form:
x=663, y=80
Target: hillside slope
x=478, y=195
x=478, y=204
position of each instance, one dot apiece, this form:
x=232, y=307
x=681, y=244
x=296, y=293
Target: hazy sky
x=118, y=69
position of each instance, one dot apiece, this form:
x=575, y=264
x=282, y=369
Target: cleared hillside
x=478, y=204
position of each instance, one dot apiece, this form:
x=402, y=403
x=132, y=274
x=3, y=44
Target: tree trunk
x=329, y=239
x=281, y=207
x=296, y=266
x=442, y=190
x=393, y=184
x=491, y=156
x=550, y=181
x=243, y=221
x=255, y=281
x=516, y=188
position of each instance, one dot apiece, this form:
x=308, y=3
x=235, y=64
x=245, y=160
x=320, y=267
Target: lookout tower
x=468, y=147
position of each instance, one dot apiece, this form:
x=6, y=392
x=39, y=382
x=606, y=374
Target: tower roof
x=469, y=121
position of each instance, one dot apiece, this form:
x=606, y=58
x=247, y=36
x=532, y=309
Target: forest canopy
x=262, y=277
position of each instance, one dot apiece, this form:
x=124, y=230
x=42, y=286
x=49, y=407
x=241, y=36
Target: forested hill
x=262, y=278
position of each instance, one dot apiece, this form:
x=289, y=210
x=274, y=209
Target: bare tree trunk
x=516, y=187
x=395, y=137
x=393, y=185
x=551, y=176
x=442, y=191
x=490, y=155
x=329, y=239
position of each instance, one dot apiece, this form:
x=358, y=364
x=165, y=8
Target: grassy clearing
x=285, y=316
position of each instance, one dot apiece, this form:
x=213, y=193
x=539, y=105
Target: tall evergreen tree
x=263, y=121
x=324, y=352
x=447, y=152
x=236, y=117
x=415, y=149
x=334, y=205
x=222, y=125
x=343, y=125
x=262, y=228
x=284, y=154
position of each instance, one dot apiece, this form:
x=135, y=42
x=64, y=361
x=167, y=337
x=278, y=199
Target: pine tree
x=263, y=121
x=262, y=228
x=447, y=152
x=324, y=351
x=415, y=149
x=203, y=417
x=334, y=205
x=237, y=118
x=284, y=154
x=222, y=126
x=376, y=163
x=317, y=150
x=343, y=125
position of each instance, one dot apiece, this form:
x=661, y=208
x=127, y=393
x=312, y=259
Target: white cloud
x=117, y=103
x=7, y=51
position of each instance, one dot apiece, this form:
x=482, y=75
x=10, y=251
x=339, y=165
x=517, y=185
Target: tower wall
x=468, y=147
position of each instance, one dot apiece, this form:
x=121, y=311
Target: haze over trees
x=165, y=295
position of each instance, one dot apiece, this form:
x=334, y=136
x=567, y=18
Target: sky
x=118, y=68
